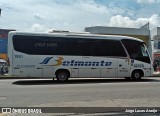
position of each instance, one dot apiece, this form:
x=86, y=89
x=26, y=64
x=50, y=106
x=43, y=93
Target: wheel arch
x=63, y=69
x=140, y=70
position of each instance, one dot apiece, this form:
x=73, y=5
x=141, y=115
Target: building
x=150, y=37
x=3, y=43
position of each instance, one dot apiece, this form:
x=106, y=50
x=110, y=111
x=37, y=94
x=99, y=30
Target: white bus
x=65, y=55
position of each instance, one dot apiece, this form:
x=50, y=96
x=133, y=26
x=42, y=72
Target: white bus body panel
x=145, y=67
x=123, y=67
x=120, y=67
x=79, y=66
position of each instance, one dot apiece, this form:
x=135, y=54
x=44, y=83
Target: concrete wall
x=117, y=30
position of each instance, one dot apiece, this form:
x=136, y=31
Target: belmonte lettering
x=86, y=63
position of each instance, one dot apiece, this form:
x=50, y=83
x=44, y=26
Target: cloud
x=39, y=28
x=155, y=20
x=38, y=16
x=72, y=15
x=148, y=1
x=120, y=21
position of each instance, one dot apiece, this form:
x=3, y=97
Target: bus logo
x=46, y=60
x=60, y=61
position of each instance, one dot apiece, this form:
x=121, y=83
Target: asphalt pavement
x=106, y=92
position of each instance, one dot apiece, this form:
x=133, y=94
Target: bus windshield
x=136, y=50
x=143, y=50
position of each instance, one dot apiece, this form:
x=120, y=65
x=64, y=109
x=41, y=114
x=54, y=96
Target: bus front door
x=123, y=67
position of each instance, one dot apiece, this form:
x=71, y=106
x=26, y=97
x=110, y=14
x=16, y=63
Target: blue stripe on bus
x=46, y=60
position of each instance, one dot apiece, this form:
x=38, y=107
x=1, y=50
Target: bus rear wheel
x=62, y=76
x=136, y=75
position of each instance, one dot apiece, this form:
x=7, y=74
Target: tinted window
x=136, y=50
x=106, y=48
x=40, y=45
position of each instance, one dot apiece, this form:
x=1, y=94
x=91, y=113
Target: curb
x=155, y=76
x=24, y=77
x=7, y=78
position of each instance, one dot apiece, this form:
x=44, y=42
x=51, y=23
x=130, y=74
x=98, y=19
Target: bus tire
x=136, y=75
x=62, y=76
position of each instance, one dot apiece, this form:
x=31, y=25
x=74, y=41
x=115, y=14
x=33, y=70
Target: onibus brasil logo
x=59, y=61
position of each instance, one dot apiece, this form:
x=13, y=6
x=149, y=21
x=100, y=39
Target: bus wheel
x=62, y=76
x=136, y=75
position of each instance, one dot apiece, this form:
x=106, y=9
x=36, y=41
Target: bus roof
x=76, y=35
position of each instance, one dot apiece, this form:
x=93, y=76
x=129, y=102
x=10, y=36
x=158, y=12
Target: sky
x=75, y=15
